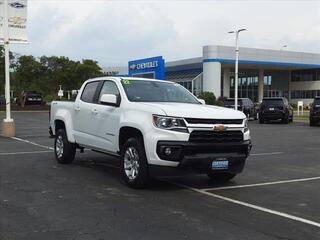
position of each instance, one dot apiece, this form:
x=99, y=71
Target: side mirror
x=203, y=102
x=109, y=99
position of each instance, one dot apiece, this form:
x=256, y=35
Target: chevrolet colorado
x=154, y=127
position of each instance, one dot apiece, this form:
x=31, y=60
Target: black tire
x=129, y=167
x=68, y=149
x=221, y=177
x=261, y=120
x=256, y=116
x=291, y=119
x=285, y=120
x=312, y=123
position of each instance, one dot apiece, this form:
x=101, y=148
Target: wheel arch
x=61, y=123
x=127, y=132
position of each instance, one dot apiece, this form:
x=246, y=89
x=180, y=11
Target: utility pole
x=8, y=123
x=236, y=67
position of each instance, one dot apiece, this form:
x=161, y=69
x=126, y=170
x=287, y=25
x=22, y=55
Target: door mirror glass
x=109, y=99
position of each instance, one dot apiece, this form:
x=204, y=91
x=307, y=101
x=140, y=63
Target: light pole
x=8, y=125
x=236, y=67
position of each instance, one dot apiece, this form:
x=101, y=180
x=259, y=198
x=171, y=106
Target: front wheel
x=64, y=151
x=134, y=163
x=285, y=120
x=221, y=177
x=312, y=123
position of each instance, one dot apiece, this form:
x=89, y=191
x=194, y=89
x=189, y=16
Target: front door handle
x=95, y=111
x=77, y=109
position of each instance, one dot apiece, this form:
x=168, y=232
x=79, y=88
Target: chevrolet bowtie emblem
x=219, y=128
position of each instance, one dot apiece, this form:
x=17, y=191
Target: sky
x=114, y=32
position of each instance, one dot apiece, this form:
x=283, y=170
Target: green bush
x=210, y=98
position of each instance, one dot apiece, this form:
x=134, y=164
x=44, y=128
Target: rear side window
x=230, y=102
x=89, y=92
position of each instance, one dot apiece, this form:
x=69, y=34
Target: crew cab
x=154, y=127
x=315, y=112
x=275, y=108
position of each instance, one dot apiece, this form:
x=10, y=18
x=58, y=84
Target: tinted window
x=272, y=102
x=109, y=87
x=156, y=91
x=89, y=92
x=317, y=101
x=230, y=102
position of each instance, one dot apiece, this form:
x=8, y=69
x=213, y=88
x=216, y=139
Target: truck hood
x=187, y=110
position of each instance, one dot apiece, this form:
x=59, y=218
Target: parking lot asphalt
x=276, y=197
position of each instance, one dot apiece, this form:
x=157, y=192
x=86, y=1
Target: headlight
x=170, y=123
x=246, y=128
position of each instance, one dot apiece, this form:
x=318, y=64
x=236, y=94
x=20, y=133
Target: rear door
x=82, y=117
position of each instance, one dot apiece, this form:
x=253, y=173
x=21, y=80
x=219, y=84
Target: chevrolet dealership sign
x=154, y=65
x=17, y=20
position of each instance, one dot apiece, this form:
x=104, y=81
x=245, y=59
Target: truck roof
x=128, y=78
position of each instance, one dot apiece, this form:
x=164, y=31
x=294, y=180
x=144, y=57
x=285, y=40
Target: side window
x=89, y=92
x=109, y=87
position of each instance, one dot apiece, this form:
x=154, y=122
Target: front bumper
x=198, y=157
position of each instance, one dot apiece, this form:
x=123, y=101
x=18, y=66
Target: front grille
x=215, y=136
x=213, y=121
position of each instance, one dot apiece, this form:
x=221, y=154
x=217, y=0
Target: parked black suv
x=315, y=112
x=245, y=105
x=275, y=109
x=30, y=98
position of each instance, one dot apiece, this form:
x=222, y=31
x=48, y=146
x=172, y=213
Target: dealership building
x=262, y=73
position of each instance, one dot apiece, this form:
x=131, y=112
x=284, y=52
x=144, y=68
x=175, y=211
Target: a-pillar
x=260, y=84
x=226, y=82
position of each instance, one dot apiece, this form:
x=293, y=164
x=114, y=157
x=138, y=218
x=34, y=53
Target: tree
x=210, y=98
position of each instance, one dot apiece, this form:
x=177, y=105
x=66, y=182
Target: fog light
x=167, y=151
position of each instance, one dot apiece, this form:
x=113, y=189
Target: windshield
x=155, y=91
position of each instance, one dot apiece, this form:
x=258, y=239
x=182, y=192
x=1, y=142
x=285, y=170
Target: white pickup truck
x=155, y=127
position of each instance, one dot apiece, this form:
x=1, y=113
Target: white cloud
x=114, y=32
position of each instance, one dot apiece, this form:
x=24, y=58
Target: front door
x=105, y=120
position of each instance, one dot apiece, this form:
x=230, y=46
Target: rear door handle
x=95, y=111
x=77, y=109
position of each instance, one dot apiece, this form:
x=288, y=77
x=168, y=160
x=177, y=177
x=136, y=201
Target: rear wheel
x=64, y=150
x=291, y=119
x=221, y=177
x=285, y=120
x=134, y=163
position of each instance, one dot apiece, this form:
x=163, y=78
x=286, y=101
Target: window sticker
x=126, y=81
